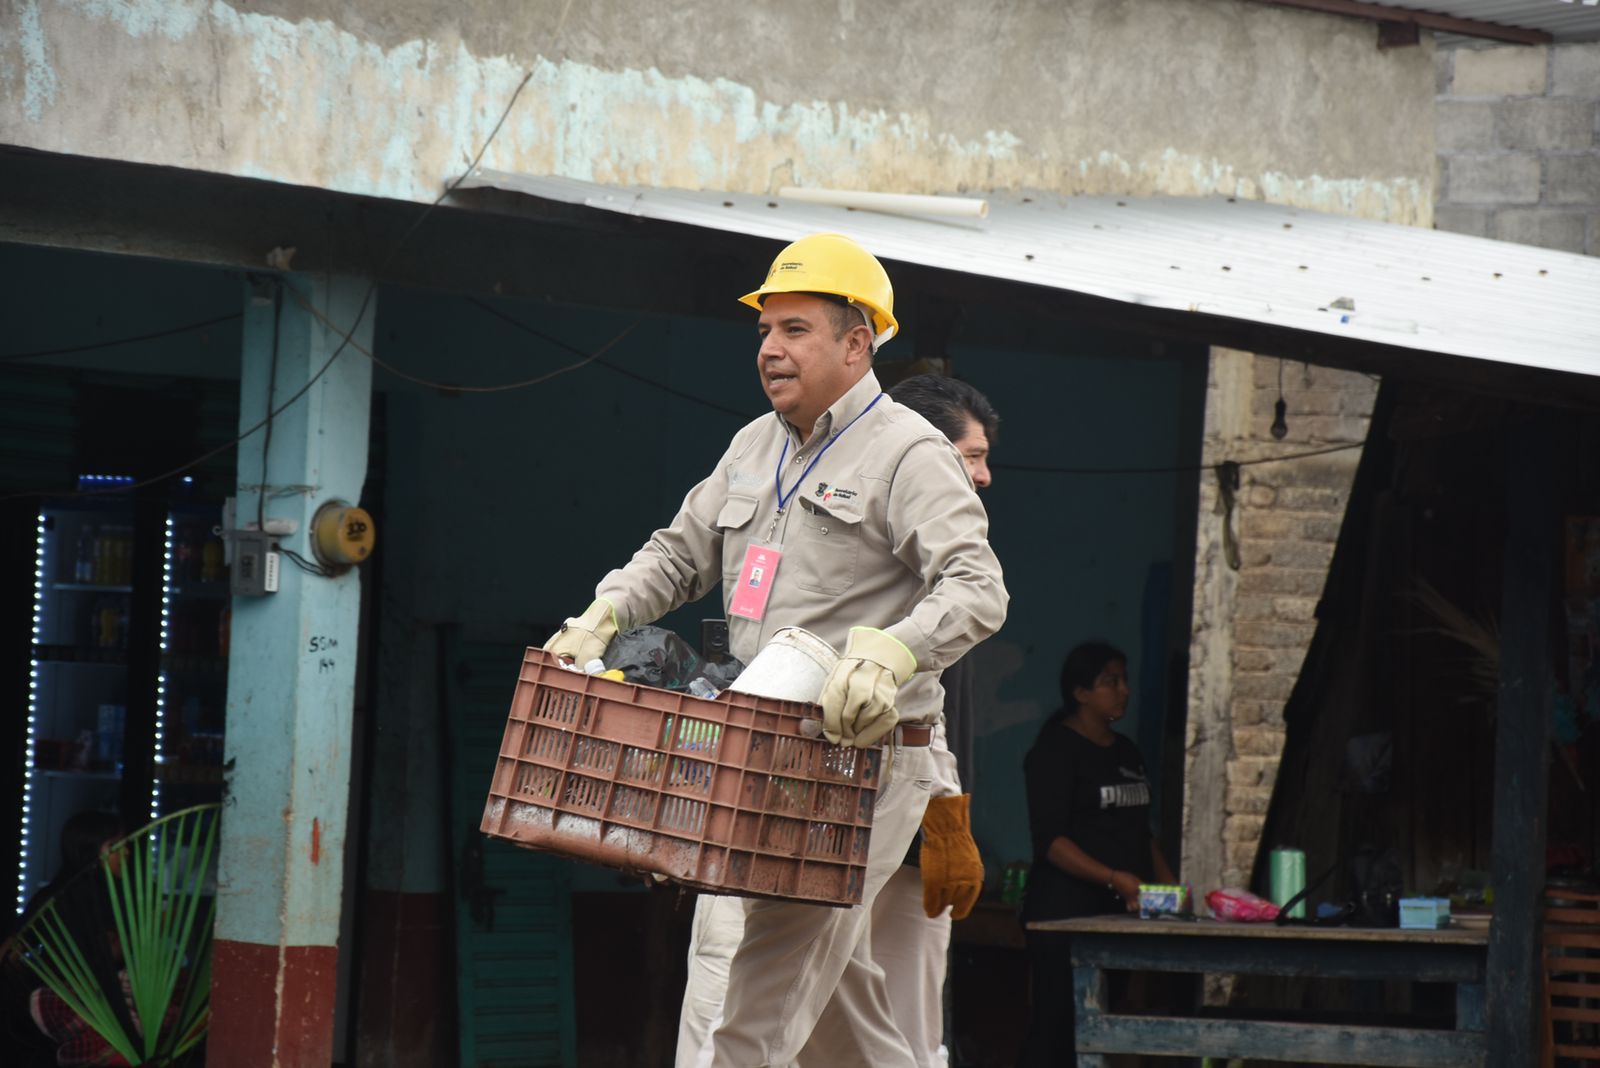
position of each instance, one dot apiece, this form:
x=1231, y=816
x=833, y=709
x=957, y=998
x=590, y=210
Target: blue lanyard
x=777, y=476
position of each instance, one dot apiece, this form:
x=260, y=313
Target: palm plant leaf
x=1479, y=635
x=127, y=946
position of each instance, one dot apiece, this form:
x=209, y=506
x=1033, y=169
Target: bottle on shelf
x=83, y=565
x=211, y=561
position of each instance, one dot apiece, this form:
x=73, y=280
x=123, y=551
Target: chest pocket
x=735, y=517
x=824, y=543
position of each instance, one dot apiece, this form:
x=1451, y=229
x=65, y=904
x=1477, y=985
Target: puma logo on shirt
x=1126, y=795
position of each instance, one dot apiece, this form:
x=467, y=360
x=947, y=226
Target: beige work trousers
x=795, y=963
x=717, y=930
x=913, y=952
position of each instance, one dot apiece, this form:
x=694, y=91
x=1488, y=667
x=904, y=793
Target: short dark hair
x=847, y=316
x=1083, y=666
x=948, y=403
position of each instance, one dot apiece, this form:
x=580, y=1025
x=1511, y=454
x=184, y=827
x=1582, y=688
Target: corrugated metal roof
x=1565, y=20
x=1407, y=287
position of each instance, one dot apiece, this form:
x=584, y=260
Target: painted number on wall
x=321, y=644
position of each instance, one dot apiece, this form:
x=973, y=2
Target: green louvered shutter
x=513, y=907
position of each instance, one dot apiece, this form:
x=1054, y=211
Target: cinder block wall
x=1519, y=144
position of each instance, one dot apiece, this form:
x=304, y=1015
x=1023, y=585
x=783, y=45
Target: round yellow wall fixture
x=342, y=535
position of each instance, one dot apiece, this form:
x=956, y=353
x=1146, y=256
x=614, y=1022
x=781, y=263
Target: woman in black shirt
x=1089, y=819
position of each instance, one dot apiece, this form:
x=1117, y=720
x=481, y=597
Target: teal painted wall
x=58, y=299
x=506, y=508
x=512, y=505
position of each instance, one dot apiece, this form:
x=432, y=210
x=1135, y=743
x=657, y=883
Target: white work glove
x=858, y=697
x=585, y=638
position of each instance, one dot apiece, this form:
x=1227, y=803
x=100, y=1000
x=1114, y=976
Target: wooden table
x=1127, y=943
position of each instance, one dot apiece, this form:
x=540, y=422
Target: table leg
x=1089, y=1002
x=1469, y=1007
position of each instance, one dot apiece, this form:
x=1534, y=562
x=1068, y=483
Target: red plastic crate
x=726, y=795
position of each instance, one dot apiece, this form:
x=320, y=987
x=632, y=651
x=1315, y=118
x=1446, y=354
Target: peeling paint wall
x=391, y=97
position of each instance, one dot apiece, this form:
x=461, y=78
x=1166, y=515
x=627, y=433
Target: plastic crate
x=727, y=795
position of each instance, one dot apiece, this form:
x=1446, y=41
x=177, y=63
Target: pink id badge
x=749, y=600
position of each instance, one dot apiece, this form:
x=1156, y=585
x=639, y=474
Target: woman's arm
x=1065, y=854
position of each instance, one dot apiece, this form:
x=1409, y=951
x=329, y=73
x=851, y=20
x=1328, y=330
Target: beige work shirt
x=886, y=531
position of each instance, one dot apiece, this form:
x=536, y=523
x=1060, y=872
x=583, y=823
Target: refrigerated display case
x=192, y=686
x=127, y=677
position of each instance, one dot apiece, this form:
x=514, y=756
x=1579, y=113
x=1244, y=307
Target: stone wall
x=1519, y=144
x=1253, y=624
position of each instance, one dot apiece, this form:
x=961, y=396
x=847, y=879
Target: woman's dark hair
x=1082, y=667
x=948, y=403
x=82, y=837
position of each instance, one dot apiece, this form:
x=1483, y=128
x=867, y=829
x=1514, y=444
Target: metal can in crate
x=728, y=795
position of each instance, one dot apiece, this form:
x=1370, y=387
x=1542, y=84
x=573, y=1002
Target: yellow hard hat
x=832, y=263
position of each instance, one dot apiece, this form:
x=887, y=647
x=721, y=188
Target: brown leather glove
x=952, y=872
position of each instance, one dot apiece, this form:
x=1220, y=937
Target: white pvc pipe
x=893, y=203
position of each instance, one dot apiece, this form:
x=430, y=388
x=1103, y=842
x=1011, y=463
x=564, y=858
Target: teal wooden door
x=513, y=907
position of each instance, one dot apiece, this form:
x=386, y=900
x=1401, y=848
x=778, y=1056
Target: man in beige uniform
x=851, y=516
x=911, y=918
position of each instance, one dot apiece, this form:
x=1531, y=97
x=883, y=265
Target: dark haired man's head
x=957, y=410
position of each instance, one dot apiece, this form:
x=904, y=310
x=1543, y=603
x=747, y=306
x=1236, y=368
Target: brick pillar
x=1252, y=626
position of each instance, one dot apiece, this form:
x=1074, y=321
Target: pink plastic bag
x=1241, y=906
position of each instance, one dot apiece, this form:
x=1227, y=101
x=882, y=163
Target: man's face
x=804, y=364
x=974, y=449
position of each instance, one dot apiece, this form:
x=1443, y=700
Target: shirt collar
x=855, y=401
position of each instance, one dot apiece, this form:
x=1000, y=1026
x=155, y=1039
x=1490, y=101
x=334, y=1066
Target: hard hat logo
x=833, y=264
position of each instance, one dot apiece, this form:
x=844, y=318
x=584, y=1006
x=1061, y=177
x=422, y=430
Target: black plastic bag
x=656, y=656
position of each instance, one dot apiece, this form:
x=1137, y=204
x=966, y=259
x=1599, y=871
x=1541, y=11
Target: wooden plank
x=1469, y=1006
x=1296, y=1043
x=1556, y=964
x=1582, y=1053
x=1330, y=960
x=1573, y=1015
x=1573, y=990
x=1124, y=924
x=1522, y=740
x=1576, y=916
x=1569, y=894
x=1572, y=938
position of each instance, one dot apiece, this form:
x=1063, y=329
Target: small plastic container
x=1156, y=899
x=731, y=795
x=1424, y=913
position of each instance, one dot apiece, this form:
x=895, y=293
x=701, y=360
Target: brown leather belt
x=913, y=734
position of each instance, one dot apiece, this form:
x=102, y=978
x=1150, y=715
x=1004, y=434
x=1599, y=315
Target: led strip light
x=33, y=710
x=161, y=678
